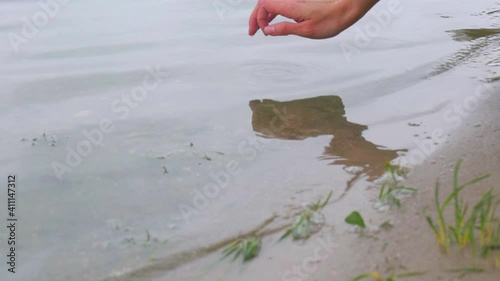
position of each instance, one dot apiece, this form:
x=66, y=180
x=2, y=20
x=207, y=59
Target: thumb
x=288, y=28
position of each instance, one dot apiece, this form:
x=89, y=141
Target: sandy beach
x=411, y=244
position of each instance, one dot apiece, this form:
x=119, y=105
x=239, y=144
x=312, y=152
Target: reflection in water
x=473, y=34
x=483, y=46
x=312, y=117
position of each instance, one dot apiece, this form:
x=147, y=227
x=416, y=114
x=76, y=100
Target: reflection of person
x=312, y=117
x=316, y=19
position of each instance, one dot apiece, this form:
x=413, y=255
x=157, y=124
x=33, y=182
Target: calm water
x=128, y=197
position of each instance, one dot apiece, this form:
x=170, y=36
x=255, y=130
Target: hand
x=316, y=19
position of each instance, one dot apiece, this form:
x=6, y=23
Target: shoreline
x=412, y=241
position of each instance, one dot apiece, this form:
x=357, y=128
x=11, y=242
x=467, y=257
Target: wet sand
x=411, y=245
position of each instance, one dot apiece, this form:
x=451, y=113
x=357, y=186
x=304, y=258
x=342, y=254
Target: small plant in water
x=477, y=226
x=392, y=189
x=467, y=270
x=490, y=239
x=355, y=218
x=249, y=248
x=392, y=277
x=307, y=222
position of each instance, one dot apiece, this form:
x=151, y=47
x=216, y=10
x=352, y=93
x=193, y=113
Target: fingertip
x=252, y=31
x=253, y=26
x=269, y=30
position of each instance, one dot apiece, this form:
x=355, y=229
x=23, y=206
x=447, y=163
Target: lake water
x=145, y=134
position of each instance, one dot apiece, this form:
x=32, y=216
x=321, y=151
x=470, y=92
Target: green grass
x=392, y=186
x=392, y=277
x=476, y=226
x=467, y=270
x=318, y=206
x=249, y=248
x=304, y=224
x=491, y=244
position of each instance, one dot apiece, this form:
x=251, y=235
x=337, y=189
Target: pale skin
x=315, y=19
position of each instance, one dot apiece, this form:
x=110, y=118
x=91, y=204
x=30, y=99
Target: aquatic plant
x=477, y=226
x=307, y=222
x=392, y=188
x=467, y=270
x=392, y=277
x=249, y=248
x=490, y=241
x=355, y=218
x=318, y=206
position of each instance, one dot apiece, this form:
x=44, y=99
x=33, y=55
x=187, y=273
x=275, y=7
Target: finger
x=262, y=16
x=290, y=9
x=253, y=27
x=288, y=28
x=271, y=17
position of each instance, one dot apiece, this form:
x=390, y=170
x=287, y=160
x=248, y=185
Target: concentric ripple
x=274, y=71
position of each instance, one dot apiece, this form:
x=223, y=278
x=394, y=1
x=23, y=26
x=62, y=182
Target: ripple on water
x=275, y=72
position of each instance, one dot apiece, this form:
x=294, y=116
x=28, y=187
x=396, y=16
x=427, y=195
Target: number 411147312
x=11, y=195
